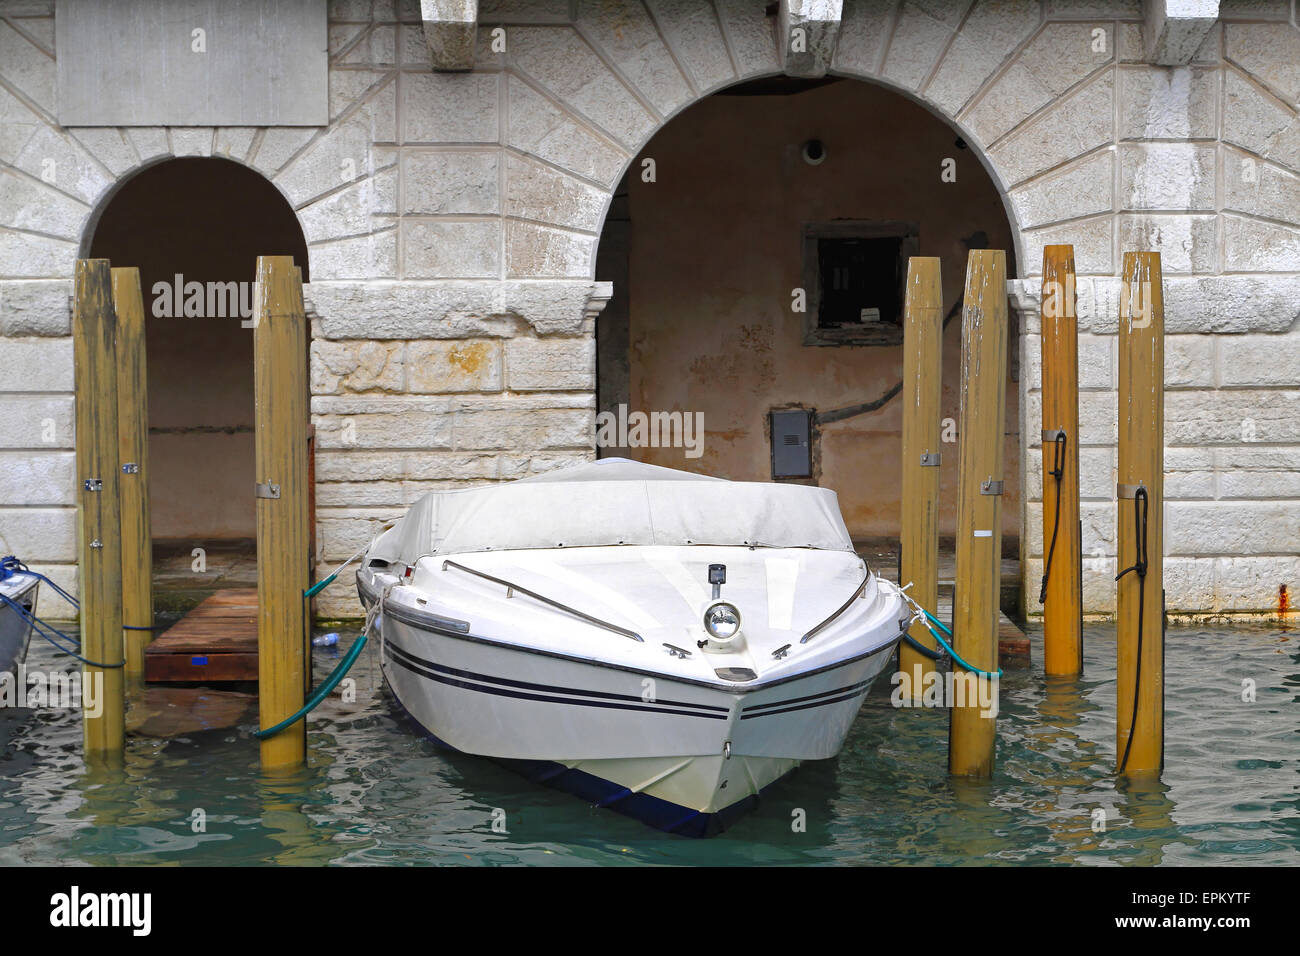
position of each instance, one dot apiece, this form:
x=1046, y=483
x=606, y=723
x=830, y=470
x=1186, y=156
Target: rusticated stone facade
x=452, y=222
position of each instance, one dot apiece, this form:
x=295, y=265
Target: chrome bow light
x=722, y=620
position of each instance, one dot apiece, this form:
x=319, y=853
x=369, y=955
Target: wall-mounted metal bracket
x=266, y=489
x=1127, y=491
x=930, y=459
x=991, y=487
x=1051, y=434
x=96, y=543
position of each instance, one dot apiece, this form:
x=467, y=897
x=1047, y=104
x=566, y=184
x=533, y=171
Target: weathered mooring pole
x=99, y=540
x=972, y=731
x=1139, y=609
x=133, y=452
x=280, y=389
x=922, y=386
x=1062, y=587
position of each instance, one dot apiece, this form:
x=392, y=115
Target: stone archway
x=194, y=227
x=1031, y=90
x=1025, y=92
x=707, y=248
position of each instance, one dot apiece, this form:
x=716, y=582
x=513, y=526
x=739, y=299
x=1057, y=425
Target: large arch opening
x=196, y=224
x=768, y=187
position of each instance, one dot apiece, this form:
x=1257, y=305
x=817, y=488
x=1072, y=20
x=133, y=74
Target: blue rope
x=10, y=565
x=321, y=693
x=920, y=648
x=39, y=628
x=947, y=647
x=322, y=584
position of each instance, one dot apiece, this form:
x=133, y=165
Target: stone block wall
x=452, y=222
x=1232, y=420
x=1201, y=163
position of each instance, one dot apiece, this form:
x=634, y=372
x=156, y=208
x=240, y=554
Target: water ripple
x=374, y=793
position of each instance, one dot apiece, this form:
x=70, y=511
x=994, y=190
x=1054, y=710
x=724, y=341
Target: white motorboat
x=658, y=642
x=20, y=589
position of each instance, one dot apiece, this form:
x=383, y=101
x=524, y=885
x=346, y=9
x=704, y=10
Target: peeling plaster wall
x=717, y=248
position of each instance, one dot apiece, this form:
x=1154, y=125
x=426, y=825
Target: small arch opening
x=196, y=224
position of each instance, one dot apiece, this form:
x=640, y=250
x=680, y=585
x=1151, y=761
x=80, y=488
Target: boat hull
x=601, y=792
x=682, y=756
x=15, y=630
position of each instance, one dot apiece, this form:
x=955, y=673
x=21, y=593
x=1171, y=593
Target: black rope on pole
x=1140, y=506
x=1057, y=472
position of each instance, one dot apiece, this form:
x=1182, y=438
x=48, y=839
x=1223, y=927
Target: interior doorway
x=195, y=228
x=758, y=278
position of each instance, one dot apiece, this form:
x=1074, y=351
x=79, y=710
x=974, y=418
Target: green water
x=374, y=793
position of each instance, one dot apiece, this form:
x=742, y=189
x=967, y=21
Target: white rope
x=917, y=613
x=372, y=615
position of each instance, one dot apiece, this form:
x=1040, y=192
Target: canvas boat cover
x=614, y=501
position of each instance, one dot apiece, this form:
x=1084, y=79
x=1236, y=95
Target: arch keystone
x=1175, y=29
x=450, y=27
x=807, y=31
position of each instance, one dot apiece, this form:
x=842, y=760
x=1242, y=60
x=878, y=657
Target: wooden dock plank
x=217, y=641
x=175, y=711
x=232, y=597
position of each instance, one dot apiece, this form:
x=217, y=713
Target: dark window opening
x=854, y=272
x=861, y=281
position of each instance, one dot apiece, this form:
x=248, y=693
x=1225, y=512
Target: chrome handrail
x=510, y=588
x=840, y=610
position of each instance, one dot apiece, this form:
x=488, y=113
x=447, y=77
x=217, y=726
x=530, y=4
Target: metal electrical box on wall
x=192, y=63
x=791, y=433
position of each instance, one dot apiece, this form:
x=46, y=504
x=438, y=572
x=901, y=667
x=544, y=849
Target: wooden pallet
x=217, y=641
x=178, y=711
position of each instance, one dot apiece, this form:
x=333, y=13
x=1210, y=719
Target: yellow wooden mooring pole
x=922, y=384
x=133, y=452
x=281, y=415
x=973, y=725
x=1062, y=588
x=1140, y=529
x=99, y=539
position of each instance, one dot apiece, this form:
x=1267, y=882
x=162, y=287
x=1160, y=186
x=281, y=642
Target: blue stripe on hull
x=651, y=810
